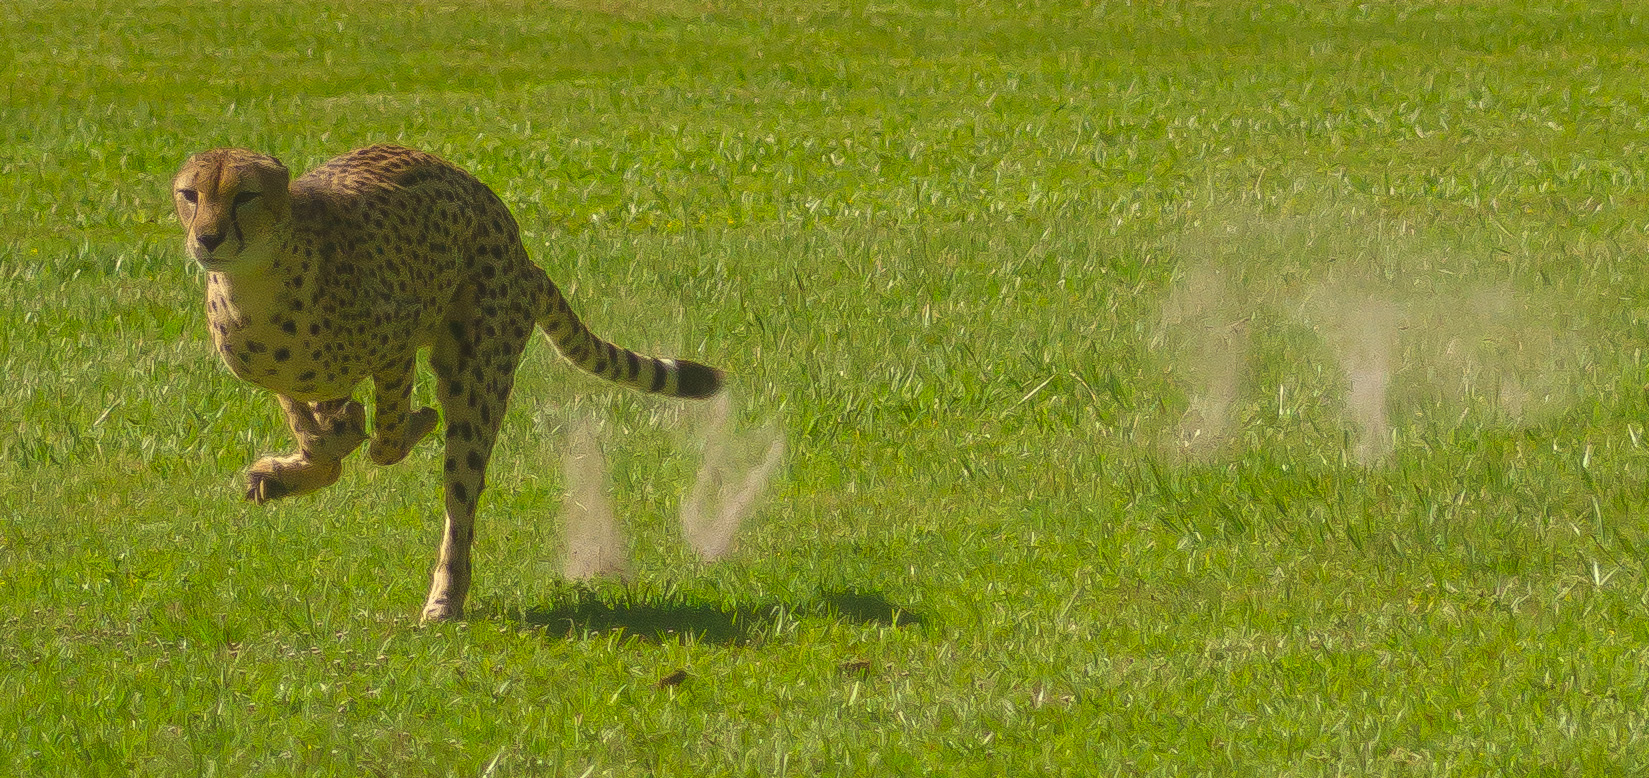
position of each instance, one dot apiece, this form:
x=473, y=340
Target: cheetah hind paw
x=419, y=424
x=439, y=611
x=341, y=432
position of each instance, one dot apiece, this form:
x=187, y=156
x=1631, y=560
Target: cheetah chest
x=307, y=350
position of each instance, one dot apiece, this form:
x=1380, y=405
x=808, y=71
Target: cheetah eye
x=189, y=195
x=246, y=197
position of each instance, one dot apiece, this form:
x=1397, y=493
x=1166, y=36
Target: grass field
x=1186, y=388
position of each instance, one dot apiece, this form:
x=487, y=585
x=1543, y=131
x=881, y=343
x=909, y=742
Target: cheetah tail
x=669, y=377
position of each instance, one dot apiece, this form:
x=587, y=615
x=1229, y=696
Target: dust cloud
x=736, y=470
x=1392, y=332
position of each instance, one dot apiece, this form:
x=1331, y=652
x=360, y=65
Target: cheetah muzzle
x=316, y=285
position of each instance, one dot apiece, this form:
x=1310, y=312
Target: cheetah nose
x=210, y=241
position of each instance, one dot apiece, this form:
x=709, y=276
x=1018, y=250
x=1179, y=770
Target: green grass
x=940, y=245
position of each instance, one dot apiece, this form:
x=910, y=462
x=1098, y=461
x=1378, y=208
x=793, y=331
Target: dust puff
x=1212, y=338
x=732, y=478
x=596, y=546
x=1361, y=330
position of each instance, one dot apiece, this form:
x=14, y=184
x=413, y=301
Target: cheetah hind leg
x=326, y=432
x=387, y=451
x=396, y=428
x=473, y=381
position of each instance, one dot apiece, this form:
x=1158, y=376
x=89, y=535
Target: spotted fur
x=342, y=276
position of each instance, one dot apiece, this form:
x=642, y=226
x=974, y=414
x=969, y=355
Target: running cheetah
x=344, y=276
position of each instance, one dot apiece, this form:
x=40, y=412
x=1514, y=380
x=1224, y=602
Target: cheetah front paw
x=387, y=452
x=272, y=478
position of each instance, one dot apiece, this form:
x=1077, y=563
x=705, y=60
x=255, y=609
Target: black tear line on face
x=234, y=221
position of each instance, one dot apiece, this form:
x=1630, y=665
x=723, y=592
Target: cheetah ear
x=277, y=183
x=275, y=175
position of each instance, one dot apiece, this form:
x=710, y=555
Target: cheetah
x=316, y=285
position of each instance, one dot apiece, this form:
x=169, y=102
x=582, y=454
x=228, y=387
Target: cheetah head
x=233, y=203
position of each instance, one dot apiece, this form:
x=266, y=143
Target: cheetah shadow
x=682, y=618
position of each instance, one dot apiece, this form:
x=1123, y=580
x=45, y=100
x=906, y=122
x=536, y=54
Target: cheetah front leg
x=394, y=430
x=327, y=432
